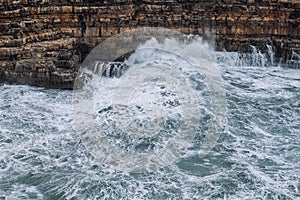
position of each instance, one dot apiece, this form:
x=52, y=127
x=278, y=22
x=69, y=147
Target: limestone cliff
x=42, y=42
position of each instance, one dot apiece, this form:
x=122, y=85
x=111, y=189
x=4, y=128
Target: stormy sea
x=218, y=125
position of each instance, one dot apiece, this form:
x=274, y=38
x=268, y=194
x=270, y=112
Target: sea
x=182, y=122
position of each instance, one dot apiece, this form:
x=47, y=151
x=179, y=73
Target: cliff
x=42, y=42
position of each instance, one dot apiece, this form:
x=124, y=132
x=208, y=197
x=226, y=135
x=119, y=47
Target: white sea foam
x=155, y=105
x=257, y=157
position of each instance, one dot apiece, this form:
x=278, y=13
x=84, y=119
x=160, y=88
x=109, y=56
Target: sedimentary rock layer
x=42, y=42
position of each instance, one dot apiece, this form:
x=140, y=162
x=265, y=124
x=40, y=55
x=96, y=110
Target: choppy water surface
x=257, y=155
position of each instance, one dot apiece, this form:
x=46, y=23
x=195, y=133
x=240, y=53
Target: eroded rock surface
x=43, y=42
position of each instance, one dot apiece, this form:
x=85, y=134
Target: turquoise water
x=256, y=156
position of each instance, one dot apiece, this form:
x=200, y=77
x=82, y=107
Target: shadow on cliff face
x=83, y=50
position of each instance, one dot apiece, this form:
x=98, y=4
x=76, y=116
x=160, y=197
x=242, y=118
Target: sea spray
x=160, y=81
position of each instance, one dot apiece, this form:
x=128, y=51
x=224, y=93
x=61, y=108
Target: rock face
x=43, y=42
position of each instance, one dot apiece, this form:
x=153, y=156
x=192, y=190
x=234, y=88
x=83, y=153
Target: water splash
x=162, y=88
x=295, y=60
x=255, y=58
x=271, y=54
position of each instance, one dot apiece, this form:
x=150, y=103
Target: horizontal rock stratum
x=43, y=42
